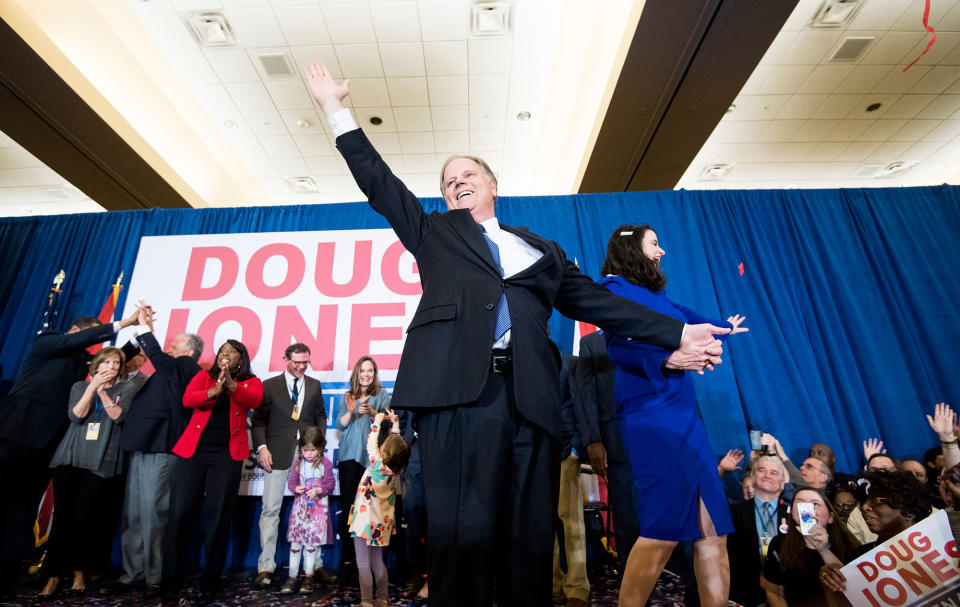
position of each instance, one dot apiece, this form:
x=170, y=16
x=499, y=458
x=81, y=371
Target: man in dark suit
x=596, y=408
x=152, y=427
x=292, y=402
x=755, y=523
x=477, y=367
x=33, y=419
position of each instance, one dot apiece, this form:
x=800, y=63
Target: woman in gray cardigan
x=87, y=472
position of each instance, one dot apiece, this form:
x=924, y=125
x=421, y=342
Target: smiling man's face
x=465, y=186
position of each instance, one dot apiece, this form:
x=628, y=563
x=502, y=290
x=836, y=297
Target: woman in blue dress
x=680, y=496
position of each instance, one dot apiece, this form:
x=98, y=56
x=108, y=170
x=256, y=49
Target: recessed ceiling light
x=303, y=185
x=303, y=124
x=713, y=172
x=231, y=124
x=375, y=120
x=523, y=116
x=211, y=30
x=873, y=107
x=894, y=167
x=732, y=108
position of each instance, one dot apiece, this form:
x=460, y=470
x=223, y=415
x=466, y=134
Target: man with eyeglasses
x=815, y=473
x=292, y=402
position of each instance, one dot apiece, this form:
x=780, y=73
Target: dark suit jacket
x=272, y=424
x=34, y=413
x=596, y=402
x=446, y=356
x=743, y=549
x=157, y=418
x=568, y=410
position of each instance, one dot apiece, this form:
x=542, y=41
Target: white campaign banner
x=344, y=293
x=918, y=567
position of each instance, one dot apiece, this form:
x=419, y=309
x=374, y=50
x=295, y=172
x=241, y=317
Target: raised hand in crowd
x=328, y=93
x=944, y=423
x=730, y=461
x=736, y=320
x=772, y=446
x=871, y=447
x=597, y=454
x=131, y=320
x=392, y=416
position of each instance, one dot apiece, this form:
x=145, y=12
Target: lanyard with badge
x=93, y=428
x=769, y=531
x=295, y=397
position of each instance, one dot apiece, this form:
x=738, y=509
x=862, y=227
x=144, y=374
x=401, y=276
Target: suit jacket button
x=198, y=426
x=490, y=306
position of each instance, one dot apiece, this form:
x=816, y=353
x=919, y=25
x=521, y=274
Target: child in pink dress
x=311, y=481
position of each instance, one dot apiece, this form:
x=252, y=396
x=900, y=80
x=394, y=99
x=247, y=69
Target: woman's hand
x=366, y=409
x=350, y=402
x=328, y=93
x=871, y=447
x=831, y=578
x=736, y=320
x=731, y=461
x=225, y=380
x=101, y=379
x=818, y=539
x=943, y=422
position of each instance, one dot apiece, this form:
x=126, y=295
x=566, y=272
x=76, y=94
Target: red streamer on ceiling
x=926, y=24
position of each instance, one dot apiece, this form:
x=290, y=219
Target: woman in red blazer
x=211, y=453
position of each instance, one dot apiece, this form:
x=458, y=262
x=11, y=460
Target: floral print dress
x=309, y=523
x=372, y=514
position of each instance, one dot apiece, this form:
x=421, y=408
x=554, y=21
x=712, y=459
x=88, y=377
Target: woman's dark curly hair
x=625, y=258
x=900, y=490
x=244, y=372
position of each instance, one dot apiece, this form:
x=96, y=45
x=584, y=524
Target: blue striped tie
x=503, y=311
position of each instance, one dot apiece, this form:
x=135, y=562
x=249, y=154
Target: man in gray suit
x=292, y=402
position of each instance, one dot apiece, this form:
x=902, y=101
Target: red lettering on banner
x=940, y=567
x=390, y=270
x=907, y=553
x=289, y=327
x=868, y=570
x=176, y=324
x=323, y=275
x=919, y=574
x=891, y=584
x=193, y=289
x=885, y=560
x=296, y=266
x=870, y=597
x=250, y=329
x=362, y=332
x=919, y=541
x=951, y=549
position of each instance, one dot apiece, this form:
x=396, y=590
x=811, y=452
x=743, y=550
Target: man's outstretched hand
x=699, y=349
x=327, y=91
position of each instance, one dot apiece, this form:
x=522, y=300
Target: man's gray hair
x=777, y=462
x=194, y=343
x=484, y=167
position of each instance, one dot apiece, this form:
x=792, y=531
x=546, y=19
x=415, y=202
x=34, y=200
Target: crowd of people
x=485, y=431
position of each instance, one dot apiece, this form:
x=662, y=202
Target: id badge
x=93, y=431
x=764, y=545
x=294, y=415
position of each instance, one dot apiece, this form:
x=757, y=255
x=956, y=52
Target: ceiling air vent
x=836, y=13
x=303, y=185
x=490, y=19
x=894, y=168
x=211, y=30
x=713, y=172
x=851, y=49
x=274, y=65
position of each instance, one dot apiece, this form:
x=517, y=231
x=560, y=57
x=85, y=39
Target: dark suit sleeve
x=387, y=194
x=151, y=347
x=261, y=415
x=568, y=418
x=57, y=344
x=585, y=400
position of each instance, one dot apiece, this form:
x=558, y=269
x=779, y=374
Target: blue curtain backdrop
x=849, y=294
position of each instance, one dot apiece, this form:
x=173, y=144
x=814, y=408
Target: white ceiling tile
x=248, y=147
x=262, y=166
x=6, y=142
x=879, y=15
x=303, y=55
x=195, y=5
x=937, y=80
x=250, y=96
x=413, y=118
x=290, y=94
x=232, y=65
x=780, y=130
x=240, y=3
x=861, y=110
x=912, y=19
x=309, y=117
x=445, y=58
x=802, y=13
x=785, y=79
x=837, y=106
x=349, y=23
x=908, y=106
x=920, y=151
x=826, y=152
x=192, y=67
x=941, y=107
x=953, y=90
x=778, y=48
x=450, y=117
x=946, y=44
x=891, y=48
x=402, y=59
x=714, y=153
x=898, y=81
x=815, y=130
x=947, y=131
x=527, y=89
x=394, y=161
x=864, y=78
x=741, y=132
x=385, y=114
x=951, y=58
x=794, y=152
x=950, y=21
x=169, y=32
x=881, y=130
x=214, y=98
x=451, y=142
x=385, y=143
x=396, y=21
x=801, y=107
x=291, y=166
x=888, y=152
x=408, y=91
x=487, y=116
x=323, y=165
x=489, y=88
x=848, y=130
x=255, y=27
x=151, y=8
x=421, y=163
x=447, y=90
x=417, y=143
x=302, y=25
x=756, y=79
x=915, y=130
x=486, y=140
x=369, y=92
x=359, y=60
x=313, y=145
x=825, y=79
x=279, y=146
x=489, y=55
x=757, y=107
x=444, y=19
x=265, y=122
x=810, y=46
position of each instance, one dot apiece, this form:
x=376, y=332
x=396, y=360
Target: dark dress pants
x=621, y=492
x=350, y=474
x=210, y=480
x=491, y=480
